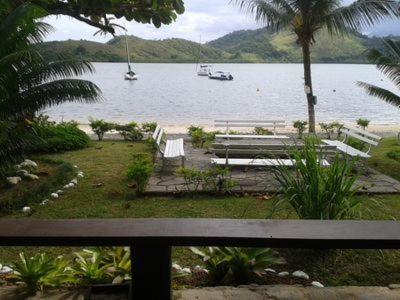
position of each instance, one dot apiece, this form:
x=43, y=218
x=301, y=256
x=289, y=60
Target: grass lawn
x=105, y=163
x=381, y=162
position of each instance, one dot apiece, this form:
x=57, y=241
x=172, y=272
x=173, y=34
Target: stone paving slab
x=248, y=180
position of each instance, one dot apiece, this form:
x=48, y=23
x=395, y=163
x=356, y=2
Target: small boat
x=130, y=75
x=204, y=70
x=219, y=75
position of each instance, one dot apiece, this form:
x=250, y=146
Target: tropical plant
x=39, y=271
x=218, y=179
x=29, y=83
x=89, y=267
x=140, y=171
x=363, y=123
x=192, y=177
x=300, y=126
x=130, y=132
x=305, y=18
x=262, y=131
x=388, y=62
x=234, y=265
x=100, y=127
x=329, y=129
x=149, y=127
x=315, y=191
x=118, y=261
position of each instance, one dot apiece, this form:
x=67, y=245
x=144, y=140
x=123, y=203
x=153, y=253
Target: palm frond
x=274, y=14
x=381, y=93
x=360, y=14
x=388, y=62
x=50, y=94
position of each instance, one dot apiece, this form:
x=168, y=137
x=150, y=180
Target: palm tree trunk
x=308, y=83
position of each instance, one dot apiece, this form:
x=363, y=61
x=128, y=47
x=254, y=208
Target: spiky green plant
x=388, y=62
x=315, y=191
x=29, y=83
x=305, y=18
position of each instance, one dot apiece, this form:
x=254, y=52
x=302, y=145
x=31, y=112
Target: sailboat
x=130, y=75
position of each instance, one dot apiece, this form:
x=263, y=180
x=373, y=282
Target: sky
x=204, y=19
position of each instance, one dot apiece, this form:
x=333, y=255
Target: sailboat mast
x=127, y=53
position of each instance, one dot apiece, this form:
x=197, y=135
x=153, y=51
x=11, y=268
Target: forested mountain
x=240, y=46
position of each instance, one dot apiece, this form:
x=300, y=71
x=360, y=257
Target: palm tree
x=29, y=83
x=387, y=62
x=305, y=18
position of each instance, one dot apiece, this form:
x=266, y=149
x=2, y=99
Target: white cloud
x=208, y=19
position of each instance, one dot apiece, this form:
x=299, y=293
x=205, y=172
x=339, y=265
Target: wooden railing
x=151, y=239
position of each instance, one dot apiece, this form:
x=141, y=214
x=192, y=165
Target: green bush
x=315, y=191
x=300, y=126
x=201, y=138
x=149, y=127
x=140, y=171
x=51, y=137
x=192, y=177
x=363, y=123
x=100, y=127
x=130, y=132
x=331, y=128
x=262, y=131
x=395, y=154
x=355, y=143
x=232, y=265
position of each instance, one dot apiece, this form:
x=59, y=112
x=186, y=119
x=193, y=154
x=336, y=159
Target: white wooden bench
x=173, y=148
x=248, y=154
x=361, y=135
x=228, y=124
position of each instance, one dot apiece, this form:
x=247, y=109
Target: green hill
x=253, y=46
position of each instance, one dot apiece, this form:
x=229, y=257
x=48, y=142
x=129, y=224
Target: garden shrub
x=130, y=132
x=300, y=126
x=395, y=154
x=52, y=137
x=149, y=127
x=331, y=128
x=140, y=171
x=363, y=123
x=315, y=191
x=237, y=266
x=262, y=131
x=355, y=143
x=100, y=127
x=201, y=138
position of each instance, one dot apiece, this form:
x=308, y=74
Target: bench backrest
x=219, y=148
x=158, y=134
x=228, y=124
x=361, y=135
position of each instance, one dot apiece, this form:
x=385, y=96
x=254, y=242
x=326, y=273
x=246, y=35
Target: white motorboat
x=219, y=75
x=131, y=76
x=204, y=70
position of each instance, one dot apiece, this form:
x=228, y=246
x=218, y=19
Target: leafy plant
x=52, y=137
x=149, y=126
x=217, y=179
x=363, y=123
x=355, y=143
x=140, y=171
x=90, y=268
x=232, y=265
x=262, y=131
x=130, y=132
x=199, y=137
x=100, y=127
x=192, y=177
x=315, y=191
x=329, y=128
x=300, y=126
x=35, y=272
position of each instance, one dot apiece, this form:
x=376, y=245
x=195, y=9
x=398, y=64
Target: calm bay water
x=172, y=94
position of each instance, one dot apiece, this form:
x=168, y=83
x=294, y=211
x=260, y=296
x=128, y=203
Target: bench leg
x=183, y=161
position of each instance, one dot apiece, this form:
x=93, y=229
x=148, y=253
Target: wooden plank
x=160, y=135
x=342, y=147
x=259, y=162
x=252, y=125
x=201, y=232
x=283, y=147
x=255, y=137
x=251, y=121
x=155, y=133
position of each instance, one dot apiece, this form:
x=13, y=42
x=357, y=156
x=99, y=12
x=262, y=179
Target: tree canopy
x=100, y=13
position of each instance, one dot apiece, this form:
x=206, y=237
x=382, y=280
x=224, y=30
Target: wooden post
x=151, y=272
